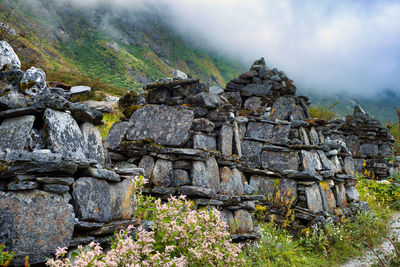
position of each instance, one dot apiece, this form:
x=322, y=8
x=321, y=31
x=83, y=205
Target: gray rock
x=285, y=192
x=37, y=163
x=204, y=142
x=8, y=56
x=216, y=90
x=22, y=185
x=237, y=140
x=92, y=200
x=314, y=200
x=284, y=108
x=83, y=113
x=181, y=177
x=169, y=126
x=233, y=98
x=55, y=180
x=280, y=133
x=260, y=130
x=340, y=194
x=245, y=222
x=147, y=163
x=252, y=153
x=231, y=182
x=197, y=191
x=304, y=136
x=204, y=99
x=86, y=226
x=34, y=224
x=63, y=135
x=33, y=82
x=116, y=134
x=314, y=136
x=369, y=150
x=204, y=125
x=349, y=167
x=248, y=189
x=328, y=199
x=36, y=140
x=352, y=194
x=56, y=188
x=279, y=161
x=123, y=199
x=256, y=90
x=364, y=206
x=102, y=106
x=14, y=133
x=93, y=142
x=81, y=89
x=110, y=176
x=13, y=101
x=199, y=174
x=326, y=163
x=162, y=174
x=310, y=162
x=182, y=164
x=336, y=164
x=179, y=75
x=253, y=103
x=225, y=139
x=213, y=173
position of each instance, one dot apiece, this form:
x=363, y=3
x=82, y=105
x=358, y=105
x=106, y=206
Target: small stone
x=251, y=153
x=197, y=191
x=253, y=103
x=22, y=185
x=279, y=161
x=86, y=226
x=110, y=176
x=352, y=194
x=56, y=180
x=256, y=90
x=81, y=89
x=56, y=188
x=216, y=90
x=314, y=200
x=204, y=142
x=314, y=136
x=33, y=82
x=179, y=75
x=225, y=140
x=243, y=217
x=349, y=166
x=340, y=194
x=93, y=142
x=202, y=124
x=123, y=199
x=260, y=130
x=147, y=163
x=162, y=174
x=83, y=113
x=304, y=136
x=369, y=150
x=181, y=177
x=204, y=99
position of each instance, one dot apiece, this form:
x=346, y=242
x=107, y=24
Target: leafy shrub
x=395, y=132
x=323, y=112
x=5, y=256
x=179, y=236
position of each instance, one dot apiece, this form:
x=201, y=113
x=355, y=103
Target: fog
x=341, y=46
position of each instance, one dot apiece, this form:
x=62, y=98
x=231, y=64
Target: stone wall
x=228, y=149
x=56, y=188
x=370, y=144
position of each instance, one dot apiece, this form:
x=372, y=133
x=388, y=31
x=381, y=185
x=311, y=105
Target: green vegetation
x=5, y=256
x=395, y=132
x=329, y=244
x=109, y=119
x=323, y=112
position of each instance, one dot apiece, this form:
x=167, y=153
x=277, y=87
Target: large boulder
x=63, y=134
x=34, y=224
x=168, y=126
x=8, y=56
x=33, y=82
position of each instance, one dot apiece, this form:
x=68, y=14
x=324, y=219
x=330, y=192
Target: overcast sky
x=326, y=45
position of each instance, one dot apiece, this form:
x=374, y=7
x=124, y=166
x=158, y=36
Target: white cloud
x=331, y=45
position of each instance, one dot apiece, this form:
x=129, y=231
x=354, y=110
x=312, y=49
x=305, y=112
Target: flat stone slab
x=64, y=135
x=116, y=134
x=164, y=125
x=15, y=132
x=34, y=224
x=93, y=142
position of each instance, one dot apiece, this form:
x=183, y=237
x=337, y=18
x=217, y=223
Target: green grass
x=109, y=119
x=324, y=245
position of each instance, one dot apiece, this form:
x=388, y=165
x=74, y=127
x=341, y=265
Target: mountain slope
x=126, y=49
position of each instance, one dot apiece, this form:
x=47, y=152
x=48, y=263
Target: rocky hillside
x=126, y=49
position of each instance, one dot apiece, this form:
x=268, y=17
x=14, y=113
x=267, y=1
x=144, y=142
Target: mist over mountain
x=345, y=51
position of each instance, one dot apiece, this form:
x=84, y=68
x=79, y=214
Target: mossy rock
x=128, y=111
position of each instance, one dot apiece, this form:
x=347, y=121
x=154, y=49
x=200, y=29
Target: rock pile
x=55, y=185
x=228, y=148
x=370, y=145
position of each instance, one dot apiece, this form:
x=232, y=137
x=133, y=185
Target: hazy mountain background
x=129, y=47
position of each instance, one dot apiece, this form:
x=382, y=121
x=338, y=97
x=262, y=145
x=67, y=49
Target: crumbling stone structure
x=55, y=186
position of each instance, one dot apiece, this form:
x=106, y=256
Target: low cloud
x=345, y=46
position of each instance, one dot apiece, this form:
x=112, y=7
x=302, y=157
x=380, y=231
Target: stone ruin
x=370, y=145
x=250, y=143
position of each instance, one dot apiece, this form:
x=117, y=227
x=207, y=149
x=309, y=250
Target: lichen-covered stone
x=162, y=174
x=33, y=82
x=8, y=56
x=147, y=163
x=123, y=199
x=352, y=194
x=369, y=149
x=93, y=142
x=256, y=90
x=264, y=186
x=245, y=222
x=204, y=142
x=34, y=224
x=64, y=135
x=260, y=130
x=15, y=133
x=203, y=124
x=83, y=113
x=251, y=153
x=314, y=200
x=92, y=200
x=181, y=177
x=225, y=140
x=280, y=161
x=349, y=167
x=340, y=194
x=328, y=199
x=173, y=133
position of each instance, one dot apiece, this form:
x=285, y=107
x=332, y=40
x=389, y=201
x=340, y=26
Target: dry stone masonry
x=56, y=185
x=231, y=148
